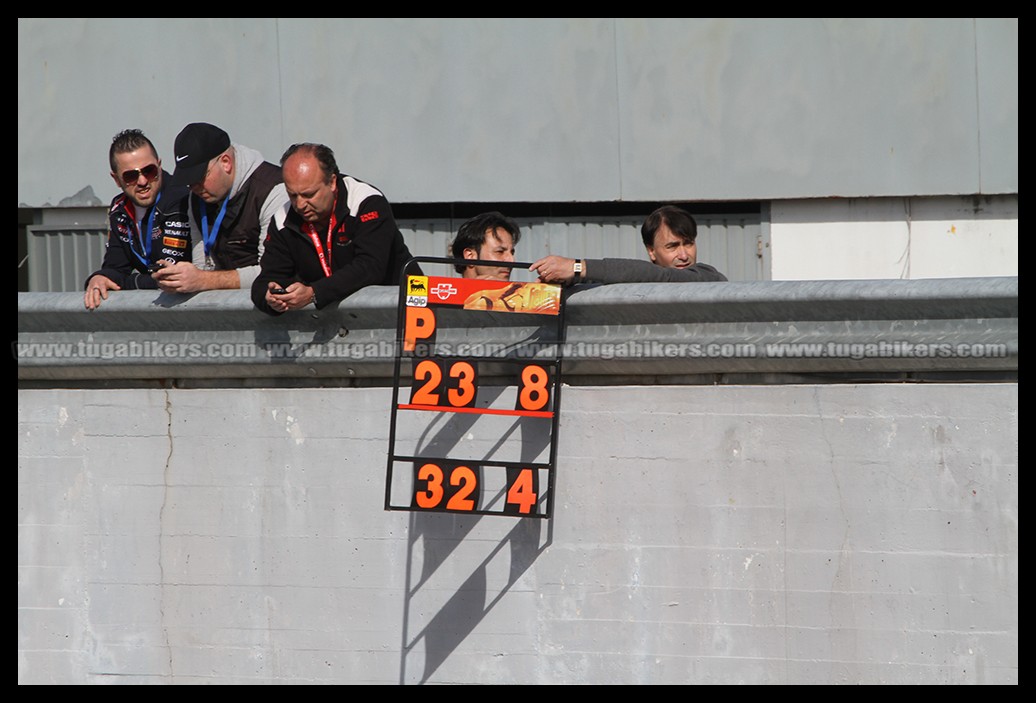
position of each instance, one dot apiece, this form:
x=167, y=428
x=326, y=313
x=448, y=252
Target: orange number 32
x=457, y=488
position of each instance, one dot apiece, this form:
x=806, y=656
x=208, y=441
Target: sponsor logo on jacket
x=368, y=216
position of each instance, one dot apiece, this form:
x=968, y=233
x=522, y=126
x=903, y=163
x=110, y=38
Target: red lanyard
x=311, y=230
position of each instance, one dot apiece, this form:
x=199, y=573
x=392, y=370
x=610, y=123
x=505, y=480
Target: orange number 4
x=521, y=492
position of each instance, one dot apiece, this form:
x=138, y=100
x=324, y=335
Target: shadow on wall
x=433, y=631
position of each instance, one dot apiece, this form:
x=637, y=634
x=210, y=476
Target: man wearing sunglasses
x=147, y=222
x=234, y=194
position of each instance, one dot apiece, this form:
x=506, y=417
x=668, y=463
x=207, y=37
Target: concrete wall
x=768, y=482
x=552, y=109
x=897, y=238
x=799, y=534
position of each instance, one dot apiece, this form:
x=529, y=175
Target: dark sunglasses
x=149, y=172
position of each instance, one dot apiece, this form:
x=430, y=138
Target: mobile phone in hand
x=157, y=266
x=278, y=291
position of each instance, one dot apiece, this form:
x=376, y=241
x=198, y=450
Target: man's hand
x=97, y=290
x=185, y=277
x=295, y=297
x=554, y=269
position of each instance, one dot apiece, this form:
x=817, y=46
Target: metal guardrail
x=655, y=333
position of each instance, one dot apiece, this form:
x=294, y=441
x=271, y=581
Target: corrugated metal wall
x=60, y=258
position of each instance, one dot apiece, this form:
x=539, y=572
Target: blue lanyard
x=208, y=239
x=144, y=235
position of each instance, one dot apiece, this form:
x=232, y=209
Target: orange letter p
x=419, y=324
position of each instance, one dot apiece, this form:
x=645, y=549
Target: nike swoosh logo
x=181, y=158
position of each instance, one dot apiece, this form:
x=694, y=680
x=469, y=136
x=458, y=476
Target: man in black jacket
x=147, y=221
x=335, y=236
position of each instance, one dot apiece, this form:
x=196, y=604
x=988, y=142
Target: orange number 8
x=533, y=394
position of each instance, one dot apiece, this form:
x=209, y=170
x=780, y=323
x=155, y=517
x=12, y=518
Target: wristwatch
x=577, y=268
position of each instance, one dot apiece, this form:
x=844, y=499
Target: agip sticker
x=417, y=291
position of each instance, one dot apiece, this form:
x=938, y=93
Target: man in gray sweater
x=234, y=194
x=669, y=235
